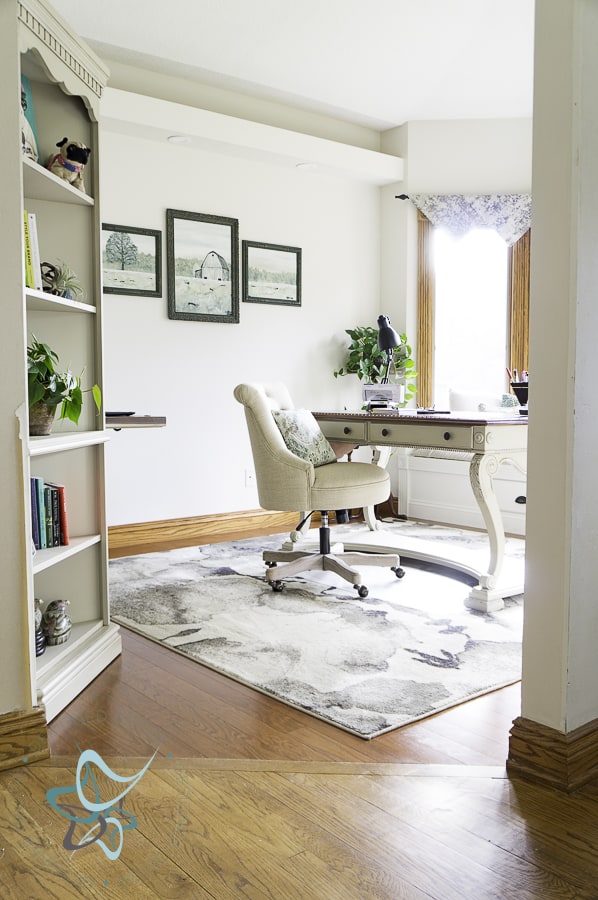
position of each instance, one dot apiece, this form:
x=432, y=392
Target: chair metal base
x=296, y=561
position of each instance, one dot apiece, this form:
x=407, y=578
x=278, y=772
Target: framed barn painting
x=132, y=261
x=271, y=274
x=202, y=254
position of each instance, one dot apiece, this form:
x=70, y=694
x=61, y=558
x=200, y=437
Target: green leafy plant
x=368, y=362
x=60, y=279
x=46, y=385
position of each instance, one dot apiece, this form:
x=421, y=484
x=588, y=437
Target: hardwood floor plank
x=381, y=841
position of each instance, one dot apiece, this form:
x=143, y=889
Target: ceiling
x=378, y=63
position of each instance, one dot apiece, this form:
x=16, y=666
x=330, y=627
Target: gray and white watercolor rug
x=408, y=650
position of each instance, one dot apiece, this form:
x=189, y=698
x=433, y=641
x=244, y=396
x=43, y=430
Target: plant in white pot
x=368, y=362
x=48, y=389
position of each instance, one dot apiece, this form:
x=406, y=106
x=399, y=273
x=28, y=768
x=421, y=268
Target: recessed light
x=179, y=139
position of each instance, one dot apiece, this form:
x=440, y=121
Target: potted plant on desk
x=366, y=360
x=49, y=389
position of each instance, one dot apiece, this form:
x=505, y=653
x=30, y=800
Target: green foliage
x=46, y=385
x=368, y=362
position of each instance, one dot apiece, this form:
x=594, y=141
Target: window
x=470, y=313
x=516, y=309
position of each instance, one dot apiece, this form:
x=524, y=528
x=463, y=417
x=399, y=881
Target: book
x=41, y=512
x=29, y=139
x=27, y=247
x=34, y=515
x=36, y=262
x=48, y=515
x=59, y=511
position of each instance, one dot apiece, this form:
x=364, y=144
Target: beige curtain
x=425, y=312
x=519, y=267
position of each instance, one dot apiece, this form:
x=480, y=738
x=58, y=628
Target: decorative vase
x=41, y=418
x=56, y=622
x=40, y=637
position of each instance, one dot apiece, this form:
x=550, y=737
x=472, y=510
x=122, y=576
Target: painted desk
x=491, y=439
x=133, y=421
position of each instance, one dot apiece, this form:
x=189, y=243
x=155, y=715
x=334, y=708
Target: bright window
x=470, y=313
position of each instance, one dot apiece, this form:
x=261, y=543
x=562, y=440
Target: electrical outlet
x=249, y=478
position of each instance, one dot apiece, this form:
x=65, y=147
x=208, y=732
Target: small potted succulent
x=48, y=389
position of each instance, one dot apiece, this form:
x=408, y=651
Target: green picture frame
x=202, y=258
x=131, y=260
x=271, y=274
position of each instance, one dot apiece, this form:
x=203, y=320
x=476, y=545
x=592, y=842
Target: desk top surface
x=411, y=417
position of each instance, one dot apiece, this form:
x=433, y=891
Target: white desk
x=492, y=439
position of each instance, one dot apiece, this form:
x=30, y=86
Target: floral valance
x=507, y=214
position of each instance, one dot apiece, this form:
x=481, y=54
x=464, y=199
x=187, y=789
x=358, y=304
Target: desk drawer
x=451, y=437
x=343, y=431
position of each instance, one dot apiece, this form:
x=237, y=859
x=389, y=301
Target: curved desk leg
x=380, y=457
x=482, y=469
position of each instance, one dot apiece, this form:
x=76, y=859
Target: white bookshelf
x=67, y=80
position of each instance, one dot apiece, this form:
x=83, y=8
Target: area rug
x=368, y=666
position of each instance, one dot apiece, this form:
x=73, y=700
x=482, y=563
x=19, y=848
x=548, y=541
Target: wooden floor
x=249, y=798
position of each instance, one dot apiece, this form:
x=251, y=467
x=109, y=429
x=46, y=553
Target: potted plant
x=60, y=279
x=366, y=360
x=49, y=389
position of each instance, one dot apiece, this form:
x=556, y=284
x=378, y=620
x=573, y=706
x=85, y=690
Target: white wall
x=187, y=370
x=359, y=259
x=464, y=156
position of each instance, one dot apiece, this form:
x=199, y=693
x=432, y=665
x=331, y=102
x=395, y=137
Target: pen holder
x=520, y=389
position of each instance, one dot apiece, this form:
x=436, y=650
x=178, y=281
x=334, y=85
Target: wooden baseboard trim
x=23, y=737
x=562, y=761
x=168, y=534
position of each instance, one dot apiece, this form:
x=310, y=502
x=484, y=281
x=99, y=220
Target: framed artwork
x=132, y=260
x=202, y=254
x=271, y=274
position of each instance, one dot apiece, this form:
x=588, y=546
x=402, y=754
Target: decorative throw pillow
x=303, y=436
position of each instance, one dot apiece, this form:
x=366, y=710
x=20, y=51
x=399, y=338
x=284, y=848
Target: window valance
x=507, y=214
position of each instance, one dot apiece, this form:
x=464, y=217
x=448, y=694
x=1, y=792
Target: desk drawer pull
x=385, y=432
x=346, y=430
x=447, y=435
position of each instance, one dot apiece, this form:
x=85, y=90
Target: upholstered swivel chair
x=304, y=483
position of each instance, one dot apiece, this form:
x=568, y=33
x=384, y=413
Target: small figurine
x=40, y=637
x=70, y=162
x=56, y=622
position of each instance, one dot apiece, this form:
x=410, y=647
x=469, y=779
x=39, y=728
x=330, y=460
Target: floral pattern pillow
x=303, y=436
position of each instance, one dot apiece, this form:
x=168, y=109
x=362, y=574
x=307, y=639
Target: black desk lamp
x=388, y=339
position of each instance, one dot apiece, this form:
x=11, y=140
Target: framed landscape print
x=271, y=274
x=132, y=260
x=202, y=254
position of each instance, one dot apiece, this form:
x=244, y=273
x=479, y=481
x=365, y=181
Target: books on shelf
x=33, y=267
x=49, y=521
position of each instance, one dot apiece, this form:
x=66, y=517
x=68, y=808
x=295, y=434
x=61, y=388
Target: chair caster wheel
x=361, y=590
x=277, y=586
x=399, y=572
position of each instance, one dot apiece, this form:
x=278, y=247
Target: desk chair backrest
x=284, y=480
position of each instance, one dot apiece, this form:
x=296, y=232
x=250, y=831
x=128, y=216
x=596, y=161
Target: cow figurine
x=70, y=162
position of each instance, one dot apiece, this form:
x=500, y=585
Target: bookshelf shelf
x=91, y=646
x=45, y=559
x=44, y=302
x=66, y=440
x=41, y=184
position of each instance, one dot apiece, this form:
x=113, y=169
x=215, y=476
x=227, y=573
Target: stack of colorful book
x=48, y=514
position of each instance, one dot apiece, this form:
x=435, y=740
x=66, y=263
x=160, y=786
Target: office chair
x=304, y=483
